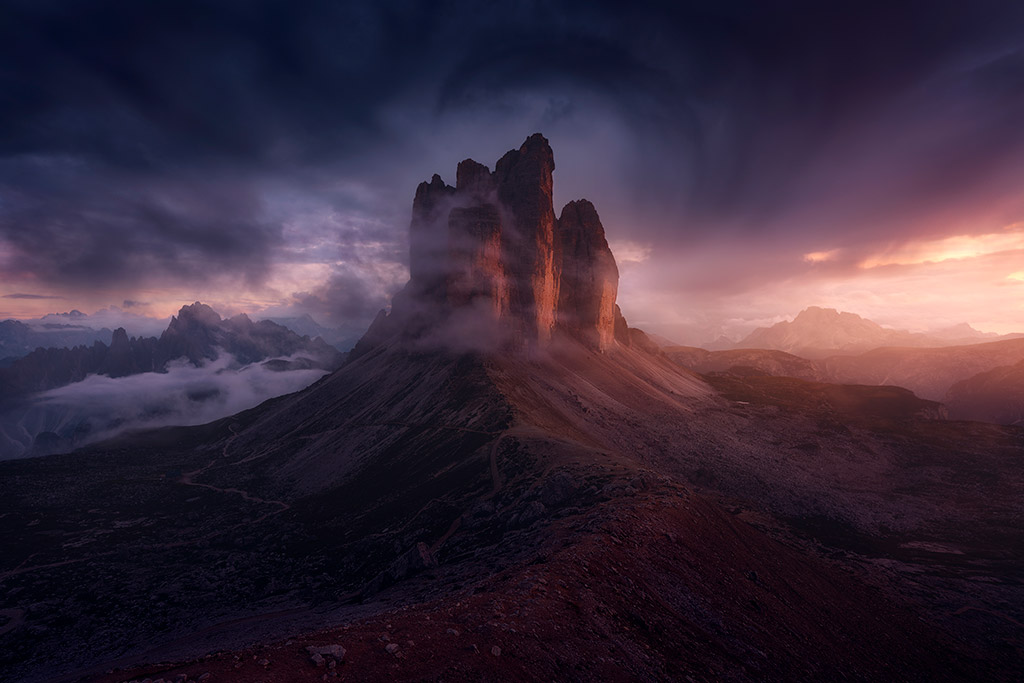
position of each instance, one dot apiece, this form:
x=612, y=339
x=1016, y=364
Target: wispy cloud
x=949, y=248
x=627, y=251
x=22, y=295
x=821, y=256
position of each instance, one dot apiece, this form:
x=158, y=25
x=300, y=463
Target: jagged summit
x=490, y=263
x=818, y=331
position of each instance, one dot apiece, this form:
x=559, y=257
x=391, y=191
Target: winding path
x=496, y=482
x=188, y=479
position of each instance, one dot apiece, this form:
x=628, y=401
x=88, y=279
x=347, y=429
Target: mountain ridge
x=927, y=371
x=197, y=334
x=817, y=332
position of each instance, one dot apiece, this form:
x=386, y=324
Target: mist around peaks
x=493, y=268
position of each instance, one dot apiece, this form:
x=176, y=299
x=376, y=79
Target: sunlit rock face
x=589, y=277
x=476, y=267
x=489, y=258
x=525, y=188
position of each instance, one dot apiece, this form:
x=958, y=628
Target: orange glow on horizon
x=949, y=248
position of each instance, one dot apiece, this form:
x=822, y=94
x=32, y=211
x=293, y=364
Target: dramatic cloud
x=30, y=297
x=263, y=155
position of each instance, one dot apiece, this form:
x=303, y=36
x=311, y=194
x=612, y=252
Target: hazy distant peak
x=240, y=320
x=119, y=338
x=817, y=311
x=815, y=330
x=961, y=331
x=818, y=315
x=197, y=313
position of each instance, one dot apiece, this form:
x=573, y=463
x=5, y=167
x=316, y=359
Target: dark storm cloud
x=729, y=103
x=139, y=140
x=99, y=226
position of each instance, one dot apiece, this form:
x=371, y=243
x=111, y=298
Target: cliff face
x=589, y=276
x=491, y=249
x=526, y=188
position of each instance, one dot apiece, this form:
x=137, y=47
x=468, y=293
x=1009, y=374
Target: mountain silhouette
x=197, y=334
x=819, y=332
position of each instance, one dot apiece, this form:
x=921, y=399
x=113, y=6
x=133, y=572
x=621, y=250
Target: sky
x=748, y=159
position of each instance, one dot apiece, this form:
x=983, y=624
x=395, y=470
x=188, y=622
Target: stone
x=428, y=239
x=558, y=488
x=589, y=276
x=476, y=270
x=479, y=515
x=533, y=511
x=332, y=650
x=526, y=189
x=475, y=180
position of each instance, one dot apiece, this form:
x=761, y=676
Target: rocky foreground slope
x=504, y=483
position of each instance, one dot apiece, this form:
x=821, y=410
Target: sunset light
x=949, y=248
x=820, y=256
x=511, y=342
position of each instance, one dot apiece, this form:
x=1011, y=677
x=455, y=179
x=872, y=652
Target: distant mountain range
x=67, y=330
x=200, y=368
x=18, y=339
x=818, y=332
x=976, y=381
x=197, y=334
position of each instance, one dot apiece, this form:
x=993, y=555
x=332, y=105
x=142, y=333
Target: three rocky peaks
x=491, y=264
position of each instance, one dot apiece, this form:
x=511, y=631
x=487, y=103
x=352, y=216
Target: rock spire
x=489, y=257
